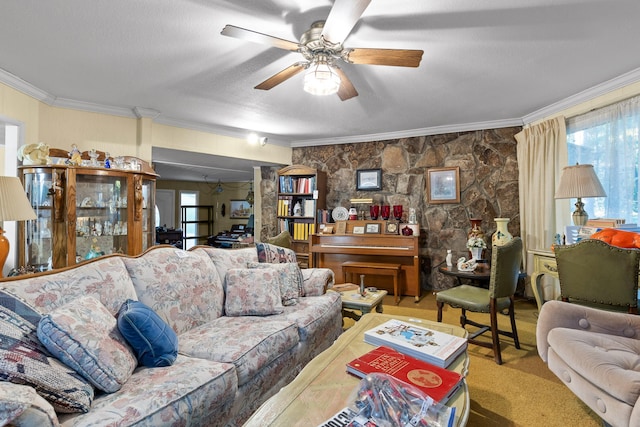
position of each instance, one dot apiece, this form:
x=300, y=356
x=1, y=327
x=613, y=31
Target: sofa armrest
x=558, y=314
x=317, y=280
x=20, y=405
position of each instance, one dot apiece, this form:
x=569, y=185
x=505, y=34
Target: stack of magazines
x=435, y=347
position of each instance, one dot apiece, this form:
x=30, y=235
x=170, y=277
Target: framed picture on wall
x=239, y=209
x=369, y=179
x=443, y=185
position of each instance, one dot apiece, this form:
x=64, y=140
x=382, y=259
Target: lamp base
x=580, y=216
x=4, y=250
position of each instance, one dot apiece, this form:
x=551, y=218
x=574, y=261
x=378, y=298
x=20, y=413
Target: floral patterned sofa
x=237, y=343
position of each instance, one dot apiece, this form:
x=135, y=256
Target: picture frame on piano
x=391, y=227
x=372, y=228
x=358, y=230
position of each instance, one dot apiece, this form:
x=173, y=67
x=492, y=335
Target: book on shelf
x=436, y=382
x=435, y=347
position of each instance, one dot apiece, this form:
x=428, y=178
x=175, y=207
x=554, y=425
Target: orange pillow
x=619, y=238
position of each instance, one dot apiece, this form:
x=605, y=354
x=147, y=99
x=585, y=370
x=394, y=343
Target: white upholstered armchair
x=596, y=354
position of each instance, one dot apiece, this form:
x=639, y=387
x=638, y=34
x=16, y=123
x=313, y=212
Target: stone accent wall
x=488, y=182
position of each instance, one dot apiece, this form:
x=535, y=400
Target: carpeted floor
x=520, y=392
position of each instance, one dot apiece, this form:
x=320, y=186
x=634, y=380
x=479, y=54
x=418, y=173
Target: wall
x=488, y=175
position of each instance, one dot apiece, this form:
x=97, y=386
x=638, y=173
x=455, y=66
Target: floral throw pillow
x=289, y=278
x=252, y=292
x=84, y=335
x=24, y=360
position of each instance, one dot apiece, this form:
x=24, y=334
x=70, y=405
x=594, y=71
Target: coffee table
x=323, y=387
x=352, y=300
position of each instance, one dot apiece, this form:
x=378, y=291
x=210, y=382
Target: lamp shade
x=14, y=205
x=579, y=181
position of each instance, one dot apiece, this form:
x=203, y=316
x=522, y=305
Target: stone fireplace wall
x=488, y=183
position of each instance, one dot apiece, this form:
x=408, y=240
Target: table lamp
x=14, y=206
x=577, y=182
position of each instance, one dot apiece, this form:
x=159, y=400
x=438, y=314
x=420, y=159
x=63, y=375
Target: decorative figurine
x=75, y=157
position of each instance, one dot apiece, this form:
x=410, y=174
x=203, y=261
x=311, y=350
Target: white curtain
x=542, y=152
x=608, y=138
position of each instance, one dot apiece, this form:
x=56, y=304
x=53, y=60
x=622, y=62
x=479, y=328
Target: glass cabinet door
x=101, y=215
x=38, y=233
x=148, y=214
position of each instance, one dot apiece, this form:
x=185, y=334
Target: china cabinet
x=84, y=211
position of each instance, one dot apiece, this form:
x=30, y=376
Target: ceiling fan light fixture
x=321, y=78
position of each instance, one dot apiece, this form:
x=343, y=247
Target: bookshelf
x=301, y=193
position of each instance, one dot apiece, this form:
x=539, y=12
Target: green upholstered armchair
x=505, y=270
x=283, y=240
x=596, y=274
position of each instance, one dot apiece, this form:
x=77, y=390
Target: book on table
x=435, y=347
x=438, y=383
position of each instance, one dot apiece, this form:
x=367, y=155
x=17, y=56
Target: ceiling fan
x=322, y=47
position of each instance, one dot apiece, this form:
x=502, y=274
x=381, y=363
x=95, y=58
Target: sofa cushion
x=152, y=340
x=183, y=287
x=312, y=313
x=275, y=254
x=289, y=278
x=248, y=343
x=610, y=361
x=252, y=292
x=84, y=335
x=24, y=360
x=105, y=278
x=22, y=401
x=192, y=392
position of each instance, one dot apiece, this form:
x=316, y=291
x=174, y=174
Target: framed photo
x=341, y=227
x=373, y=228
x=239, y=209
x=391, y=227
x=328, y=229
x=369, y=179
x=358, y=230
x=443, y=185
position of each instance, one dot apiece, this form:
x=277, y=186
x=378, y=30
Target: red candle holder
x=397, y=212
x=374, y=211
x=386, y=211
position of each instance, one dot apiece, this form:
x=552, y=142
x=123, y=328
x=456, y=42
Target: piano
x=331, y=250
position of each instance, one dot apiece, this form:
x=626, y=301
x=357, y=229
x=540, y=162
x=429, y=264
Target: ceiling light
x=321, y=78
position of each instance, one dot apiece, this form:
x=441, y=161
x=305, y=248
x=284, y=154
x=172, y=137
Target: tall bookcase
x=301, y=192
x=197, y=224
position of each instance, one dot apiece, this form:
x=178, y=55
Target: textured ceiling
x=487, y=63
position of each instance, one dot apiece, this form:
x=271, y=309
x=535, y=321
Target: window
x=609, y=139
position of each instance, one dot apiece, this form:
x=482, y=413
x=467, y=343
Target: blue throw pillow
x=153, y=341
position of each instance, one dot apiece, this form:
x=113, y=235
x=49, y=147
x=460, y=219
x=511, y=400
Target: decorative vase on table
x=476, y=230
x=501, y=236
x=476, y=253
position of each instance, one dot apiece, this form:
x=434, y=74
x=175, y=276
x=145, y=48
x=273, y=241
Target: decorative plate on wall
x=340, y=214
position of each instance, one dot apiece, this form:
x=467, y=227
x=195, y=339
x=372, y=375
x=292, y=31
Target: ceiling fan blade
x=342, y=18
x=256, y=37
x=283, y=75
x=346, y=91
x=396, y=57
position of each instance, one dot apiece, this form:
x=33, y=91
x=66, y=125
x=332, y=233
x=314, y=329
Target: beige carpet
x=520, y=392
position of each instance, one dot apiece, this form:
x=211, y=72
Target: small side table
x=351, y=300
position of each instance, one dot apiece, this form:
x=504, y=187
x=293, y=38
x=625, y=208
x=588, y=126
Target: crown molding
x=616, y=83
x=435, y=130
x=27, y=88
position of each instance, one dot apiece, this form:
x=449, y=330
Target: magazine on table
x=435, y=347
x=436, y=382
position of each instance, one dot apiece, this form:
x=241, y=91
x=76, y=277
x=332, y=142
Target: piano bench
x=376, y=269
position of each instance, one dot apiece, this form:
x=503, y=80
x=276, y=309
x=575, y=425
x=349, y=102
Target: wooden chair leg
x=440, y=305
x=495, y=334
x=514, y=330
x=463, y=318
